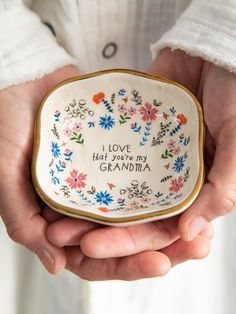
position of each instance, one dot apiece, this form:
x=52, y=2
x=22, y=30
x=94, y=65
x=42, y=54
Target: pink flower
x=78, y=126
x=67, y=131
x=76, y=181
x=132, y=111
x=145, y=199
x=171, y=144
x=176, y=150
x=122, y=108
x=148, y=112
x=134, y=204
x=176, y=184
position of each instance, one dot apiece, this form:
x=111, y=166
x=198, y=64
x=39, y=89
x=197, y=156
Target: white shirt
x=84, y=28
x=94, y=35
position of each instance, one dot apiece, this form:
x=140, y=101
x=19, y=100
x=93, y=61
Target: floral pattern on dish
x=155, y=126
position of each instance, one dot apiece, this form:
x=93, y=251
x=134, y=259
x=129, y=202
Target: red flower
x=176, y=184
x=98, y=97
x=182, y=119
x=165, y=115
x=76, y=181
x=148, y=112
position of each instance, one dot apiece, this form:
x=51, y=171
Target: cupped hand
x=149, y=249
x=19, y=206
x=96, y=252
x=216, y=90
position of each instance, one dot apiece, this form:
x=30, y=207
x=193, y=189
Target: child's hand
x=19, y=206
x=216, y=90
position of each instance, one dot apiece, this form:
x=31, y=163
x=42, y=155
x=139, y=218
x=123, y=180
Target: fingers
x=178, y=66
x=182, y=251
x=21, y=215
x=146, y=264
x=122, y=241
x=208, y=231
x=139, y=266
x=106, y=242
x=68, y=231
x=50, y=215
x=218, y=195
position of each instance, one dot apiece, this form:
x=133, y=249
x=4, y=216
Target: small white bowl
x=119, y=147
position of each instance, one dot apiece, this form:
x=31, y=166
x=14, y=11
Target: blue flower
x=178, y=164
x=107, y=122
x=55, y=149
x=103, y=198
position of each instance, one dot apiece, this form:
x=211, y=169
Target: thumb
x=178, y=66
x=218, y=195
x=21, y=215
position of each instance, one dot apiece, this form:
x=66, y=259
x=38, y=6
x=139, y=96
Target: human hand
x=19, y=206
x=146, y=264
x=124, y=253
x=129, y=253
x=216, y=90
x=26, y=221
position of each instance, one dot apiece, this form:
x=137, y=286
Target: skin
x=215, y=89
x=134, y=252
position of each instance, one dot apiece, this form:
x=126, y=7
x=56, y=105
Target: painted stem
x=147, y=133
x=107, y=105
x=83, y=197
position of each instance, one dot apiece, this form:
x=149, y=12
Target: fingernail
x=45, y=257
x=196, y=226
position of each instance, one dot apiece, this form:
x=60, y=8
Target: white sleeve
x=28, y=50
x=205, y=29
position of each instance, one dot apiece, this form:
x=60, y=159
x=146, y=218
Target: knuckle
x=15, y=232
x=78, y=272
x=224, y=196
x=226, y=205
x=204, y=251
x=85, y=277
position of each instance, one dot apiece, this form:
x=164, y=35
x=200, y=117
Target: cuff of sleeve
x=28, y=50
x=207, y=30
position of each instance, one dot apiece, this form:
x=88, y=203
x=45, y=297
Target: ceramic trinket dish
x=118, y=147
